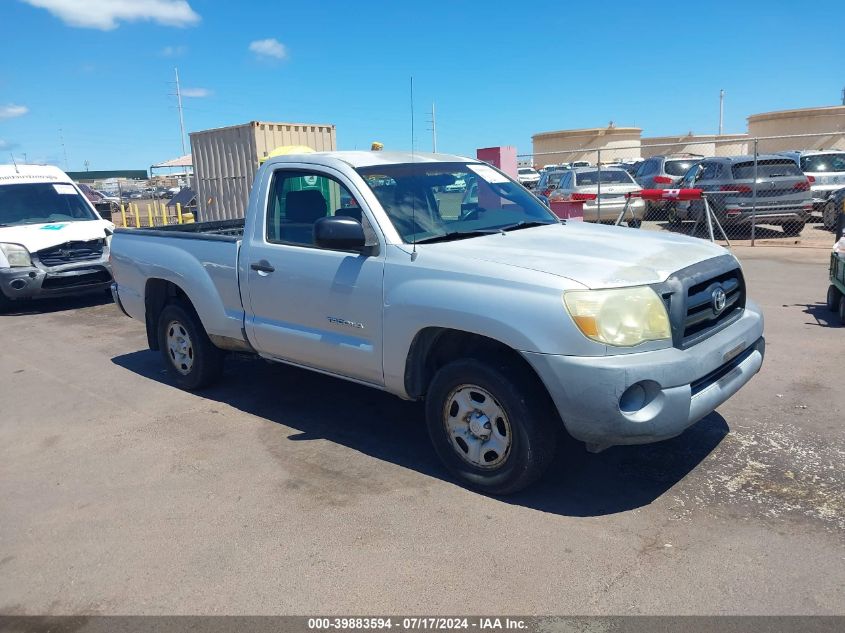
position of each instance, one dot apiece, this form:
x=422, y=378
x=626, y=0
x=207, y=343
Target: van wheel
x=192, y=360
x=793, y=229
x=492, y=428
x=833, y=296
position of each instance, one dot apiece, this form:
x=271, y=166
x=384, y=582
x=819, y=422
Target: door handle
x=262, y=267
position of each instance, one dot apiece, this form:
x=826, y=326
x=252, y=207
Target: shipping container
x=226, y=159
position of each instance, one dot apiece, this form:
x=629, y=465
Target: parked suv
x=783, y=192
x=663, y=172
x=826, y=172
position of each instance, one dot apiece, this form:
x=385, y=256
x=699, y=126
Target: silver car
x=826, y=171
x=582, y=184
x=782, y=192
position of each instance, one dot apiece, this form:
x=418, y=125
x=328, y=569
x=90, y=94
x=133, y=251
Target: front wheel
x=833, y=296
x=492, y=428
x=842, y=310
x=191, y=358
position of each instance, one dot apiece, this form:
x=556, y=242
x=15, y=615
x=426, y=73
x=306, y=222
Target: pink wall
x=502, y=157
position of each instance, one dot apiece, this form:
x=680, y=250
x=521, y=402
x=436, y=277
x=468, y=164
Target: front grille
x=700, y=317
x=71, y=252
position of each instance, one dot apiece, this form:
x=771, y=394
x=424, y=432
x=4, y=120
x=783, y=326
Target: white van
x=52, y=240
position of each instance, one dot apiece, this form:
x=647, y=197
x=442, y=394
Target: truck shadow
x=57, y=304
x=387, y=428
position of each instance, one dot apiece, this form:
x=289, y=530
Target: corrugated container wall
x=226, y=159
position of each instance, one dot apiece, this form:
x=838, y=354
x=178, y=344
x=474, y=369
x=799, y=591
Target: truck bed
x=199, y=258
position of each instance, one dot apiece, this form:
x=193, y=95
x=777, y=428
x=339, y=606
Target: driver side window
x=299, y=198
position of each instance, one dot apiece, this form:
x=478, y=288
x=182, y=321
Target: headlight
x=622, y=317
x=16, y=255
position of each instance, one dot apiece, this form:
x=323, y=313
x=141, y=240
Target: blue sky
x=101, y=71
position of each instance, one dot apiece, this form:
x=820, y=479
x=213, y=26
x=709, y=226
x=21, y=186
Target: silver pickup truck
x=376, y=267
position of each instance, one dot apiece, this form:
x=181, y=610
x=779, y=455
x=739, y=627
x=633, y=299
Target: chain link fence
x=777, y=190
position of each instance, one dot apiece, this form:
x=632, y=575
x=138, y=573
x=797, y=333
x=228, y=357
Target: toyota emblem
x=719, y=299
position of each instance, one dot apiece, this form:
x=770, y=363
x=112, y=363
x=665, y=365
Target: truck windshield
x=42, y=202
x=427, y=201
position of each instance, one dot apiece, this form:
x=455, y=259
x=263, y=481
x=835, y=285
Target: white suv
x=826, y=171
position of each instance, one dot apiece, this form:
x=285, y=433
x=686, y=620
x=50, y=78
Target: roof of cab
x=358, y=159
x=16, y=174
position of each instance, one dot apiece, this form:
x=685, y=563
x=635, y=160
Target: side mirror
x=339, y=233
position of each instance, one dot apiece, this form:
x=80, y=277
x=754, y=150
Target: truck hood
x=595, y=256
x=35, y=237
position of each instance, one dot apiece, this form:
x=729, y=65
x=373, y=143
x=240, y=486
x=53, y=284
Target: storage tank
x=226, y=159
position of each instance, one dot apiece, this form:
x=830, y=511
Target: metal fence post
x=754, y=198
x=598, y=191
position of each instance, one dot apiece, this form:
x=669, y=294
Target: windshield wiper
x=524, y=225
x=457, y=235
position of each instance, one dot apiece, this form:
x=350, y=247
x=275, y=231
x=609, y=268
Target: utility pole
x=86, y=163
x=64, y=149
x=433, y=129
x=721, y=110
x=181, y=117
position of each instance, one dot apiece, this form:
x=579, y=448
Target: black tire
x=5, y=303
x=793, y=229
x=202, y=362
x=635, y=223
x=529, y=415
x=673, y=217
x=829, y=215
x=842, y=310
x=833, y=297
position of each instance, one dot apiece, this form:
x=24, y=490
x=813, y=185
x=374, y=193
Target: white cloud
x=271, y=47
x=7, y=145
x=173, y=51
x=107, y=14
x=11, y=110
x=196, y=92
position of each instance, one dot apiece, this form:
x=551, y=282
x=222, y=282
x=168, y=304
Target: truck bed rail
x=220, y=230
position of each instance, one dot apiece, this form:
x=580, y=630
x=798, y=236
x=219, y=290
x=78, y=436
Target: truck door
x=312, y=306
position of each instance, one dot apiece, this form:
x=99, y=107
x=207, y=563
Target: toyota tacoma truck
x=507, y=322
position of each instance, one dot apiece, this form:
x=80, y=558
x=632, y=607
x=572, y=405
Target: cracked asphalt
x=285, y=492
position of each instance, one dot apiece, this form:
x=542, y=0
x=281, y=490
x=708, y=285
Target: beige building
x=618, y=143
x=614, y=142
x=829, y=121
x=702, y=144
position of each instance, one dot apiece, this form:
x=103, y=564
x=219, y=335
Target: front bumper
x=766, y=214
x=679, y=386
x=33, y=282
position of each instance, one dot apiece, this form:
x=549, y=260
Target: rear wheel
x=829, y=215
x=833, y=296
x=793, y=229
x=191, y=358
x=492, y=427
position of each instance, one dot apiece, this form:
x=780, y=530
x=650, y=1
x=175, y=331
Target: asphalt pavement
x=286, y=492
